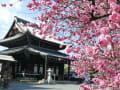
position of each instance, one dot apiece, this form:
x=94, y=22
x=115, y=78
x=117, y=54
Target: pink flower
x=118, y=25
x=40, y=32
x=93, y=24
x=102, y=83
x=3, y=5
x=61, y=46
x=47, y=0
x=34, y=31
x=89, y=49
x=31, y=24
x=95, y=80
x=49, y=11
x=114, y=15
x=112, y=26
x=105, y=30
x=95, y=51
x=76, y=49
x=29, y=5
x=103, y=41
x=78, y=13
x=77, y=56
x=57, y=1
x=68, y=49
x=97, y=33
x=111, y=1
x=108, y=37
x=10, y=5
x=95, y=8
x=118, y=19
x=59, y=59
x=115, y=7
x=54, y=6
x=44, y=37
x=85, y=18
x=54, y=33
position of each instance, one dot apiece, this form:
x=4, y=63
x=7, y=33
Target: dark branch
x=95, y=18
x=93, y=2
x=92, y=13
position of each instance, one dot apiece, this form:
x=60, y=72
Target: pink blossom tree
x=93, y=29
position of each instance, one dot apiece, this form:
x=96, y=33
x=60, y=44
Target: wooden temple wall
x=40, y=68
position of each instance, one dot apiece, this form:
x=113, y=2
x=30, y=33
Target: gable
x=13, y=30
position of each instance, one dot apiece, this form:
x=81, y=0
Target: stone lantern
x=49, y=78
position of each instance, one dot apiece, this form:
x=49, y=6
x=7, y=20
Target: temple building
x=33, y=55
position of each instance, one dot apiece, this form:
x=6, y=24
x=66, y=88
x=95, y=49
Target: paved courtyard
x=37, y=86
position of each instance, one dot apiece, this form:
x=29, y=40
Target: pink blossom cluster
x=104, y=40
x=5, y=5
x=92, y=27
x=9, y=4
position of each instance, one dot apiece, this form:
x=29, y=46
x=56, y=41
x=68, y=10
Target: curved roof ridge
x=29, y=28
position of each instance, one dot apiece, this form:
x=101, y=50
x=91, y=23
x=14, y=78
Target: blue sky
x=7, y=15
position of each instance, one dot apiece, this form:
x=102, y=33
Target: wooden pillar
x=13, y=70
x=55, y=73
x=43, y=67
x=61, y=71
x=46, y=63
x=17, y=67
x=68, y=69
x=5, y=74
x=22, y=67
x=38, y=68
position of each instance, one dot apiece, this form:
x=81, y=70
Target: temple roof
x=21, y=39
x=6, y=58
x=33, y=50
x=18, y=34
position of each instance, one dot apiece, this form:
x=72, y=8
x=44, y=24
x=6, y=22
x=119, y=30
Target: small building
x=6, y=58
x=33, y=55
x=5, y=69
x=5, y=62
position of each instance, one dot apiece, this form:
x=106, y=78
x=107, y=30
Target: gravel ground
x=36, y=86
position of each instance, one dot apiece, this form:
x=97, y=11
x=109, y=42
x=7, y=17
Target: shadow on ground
x=26, y=86
x=36, y=86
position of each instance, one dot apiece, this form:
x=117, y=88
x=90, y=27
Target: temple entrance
x=36, y=66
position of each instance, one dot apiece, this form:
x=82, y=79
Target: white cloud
x=4, y=15
x=2, y=33
x=5, y=21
